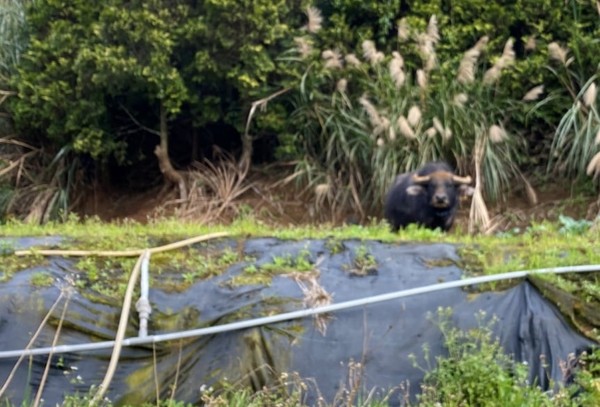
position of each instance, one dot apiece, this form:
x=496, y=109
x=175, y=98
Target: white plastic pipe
x=298, y=314
x=143, y=304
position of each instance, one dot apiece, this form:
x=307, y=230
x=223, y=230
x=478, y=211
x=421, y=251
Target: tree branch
x=137, y=123
x=246, y=139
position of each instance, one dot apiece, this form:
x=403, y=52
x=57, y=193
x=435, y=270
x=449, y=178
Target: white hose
x=143, y=304
x=298, y=314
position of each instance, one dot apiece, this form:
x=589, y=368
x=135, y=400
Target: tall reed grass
x=361, y=118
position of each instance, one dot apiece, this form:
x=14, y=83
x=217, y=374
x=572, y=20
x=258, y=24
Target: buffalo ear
x=414, y=190
x=466, y=190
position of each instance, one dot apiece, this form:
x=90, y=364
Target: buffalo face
x=441, y=188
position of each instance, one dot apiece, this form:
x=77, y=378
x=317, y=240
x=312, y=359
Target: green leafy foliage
x=96, y=73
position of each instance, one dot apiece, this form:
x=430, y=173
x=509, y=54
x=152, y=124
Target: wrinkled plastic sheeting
x=380, y=336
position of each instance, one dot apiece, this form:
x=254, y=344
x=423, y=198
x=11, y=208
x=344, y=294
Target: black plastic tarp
x=380, y=336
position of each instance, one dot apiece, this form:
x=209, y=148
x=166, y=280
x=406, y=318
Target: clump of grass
x=41, y=279
x=540, y=246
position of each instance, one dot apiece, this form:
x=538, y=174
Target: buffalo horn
x=421, y=179
x=461, y=180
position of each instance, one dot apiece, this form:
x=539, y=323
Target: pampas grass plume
x=396, y=69
x=460, y=99
x=421, y=79
x=414, y=116
x=303, y=46
x=466, y=69
x=492, y=75
x=383, y=126
x=589, y=97
x=403, y=30
x=497, y=134
x=332, y=58
x=531, y=43
x=370, y=52
x=593, y=167
x=557, y=52
x=533, y=93
x=392, y=133
x=507, y=58
x=432, y=29
x=405, y=128
x=372, y=112
x=352, y=60
x=431, y=132
x=315, y=19
x=508, y=54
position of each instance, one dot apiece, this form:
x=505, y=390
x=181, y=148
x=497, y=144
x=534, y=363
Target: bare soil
x=276, y=203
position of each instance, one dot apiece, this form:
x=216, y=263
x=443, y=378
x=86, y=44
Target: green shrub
x=477, y=372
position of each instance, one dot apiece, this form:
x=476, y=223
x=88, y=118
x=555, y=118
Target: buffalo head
x=440, y=187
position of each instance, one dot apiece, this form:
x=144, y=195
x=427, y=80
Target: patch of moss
x=432, y=263
x=11, y=264
x=173, y=271
x=170, y=321
x=263, y=274
x=263, y=307
x=41, y=279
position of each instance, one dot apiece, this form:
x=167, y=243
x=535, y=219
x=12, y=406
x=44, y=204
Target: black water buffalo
x=427, y=197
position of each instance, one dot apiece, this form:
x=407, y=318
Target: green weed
x=41, y=279
x=477, y=372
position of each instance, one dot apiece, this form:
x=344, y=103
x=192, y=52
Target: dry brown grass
x=315, y=296
x=38, y=188
x=215, y=189
x=479, y=218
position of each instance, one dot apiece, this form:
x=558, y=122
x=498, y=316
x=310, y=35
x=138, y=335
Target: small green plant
x=572, y=226
x=334, y=246
x=285, y=264
x=42, y=279
x=288, y=263
x=89, y=265
x=227, y=257
x=7, y=247
x=251, y=269
x=364, y=262
x=303, y=262
x=587, y=376
x=476, y=372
